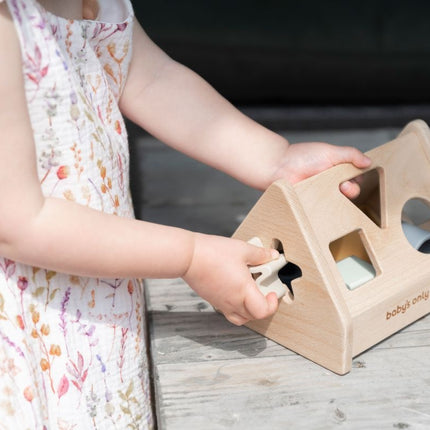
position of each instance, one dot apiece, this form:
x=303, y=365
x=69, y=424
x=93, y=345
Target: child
x=72, y=351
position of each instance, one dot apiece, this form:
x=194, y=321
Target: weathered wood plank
x=209, y=374
x=200, y=336
x=384, y=391
x=213, y=375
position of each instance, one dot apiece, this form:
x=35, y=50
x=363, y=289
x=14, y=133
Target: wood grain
x=210, y=374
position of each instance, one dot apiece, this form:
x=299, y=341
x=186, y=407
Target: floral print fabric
x=72, y=350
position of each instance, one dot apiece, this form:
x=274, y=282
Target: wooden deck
x=209, y=374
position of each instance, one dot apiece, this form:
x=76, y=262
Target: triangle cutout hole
x=370, y=201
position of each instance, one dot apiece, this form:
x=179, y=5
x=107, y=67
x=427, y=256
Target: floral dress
x=72, y=349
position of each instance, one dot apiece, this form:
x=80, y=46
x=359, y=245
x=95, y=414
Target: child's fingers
x=236, y=319
x=257, y=255
x=350, y=189
x=255, y=306
x=349, y=154
x=259, y=306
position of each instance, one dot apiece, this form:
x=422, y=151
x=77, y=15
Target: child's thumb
x=258, y=255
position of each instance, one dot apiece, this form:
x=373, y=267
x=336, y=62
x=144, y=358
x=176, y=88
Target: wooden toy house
x=315, y=226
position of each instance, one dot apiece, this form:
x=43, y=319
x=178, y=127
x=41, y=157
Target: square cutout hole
x=352, y=259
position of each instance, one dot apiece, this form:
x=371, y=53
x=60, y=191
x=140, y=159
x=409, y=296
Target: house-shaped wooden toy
x=323, y=316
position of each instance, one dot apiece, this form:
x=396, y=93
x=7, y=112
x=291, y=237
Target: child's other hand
x=303, y=160
x=219, y=273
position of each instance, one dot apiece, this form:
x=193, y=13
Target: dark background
x=299, y=52
x=291, y=65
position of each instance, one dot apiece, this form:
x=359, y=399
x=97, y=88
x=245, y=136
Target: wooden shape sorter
x=315, y=226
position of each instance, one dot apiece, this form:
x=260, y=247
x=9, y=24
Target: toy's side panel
x=314, y=322
x=393, y=313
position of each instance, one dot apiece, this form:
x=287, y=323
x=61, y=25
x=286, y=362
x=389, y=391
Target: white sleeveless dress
x=72, y=349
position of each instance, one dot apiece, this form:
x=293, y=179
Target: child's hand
x=307, y=159
x=219, y=273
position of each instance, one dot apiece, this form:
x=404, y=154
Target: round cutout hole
x=416, y=224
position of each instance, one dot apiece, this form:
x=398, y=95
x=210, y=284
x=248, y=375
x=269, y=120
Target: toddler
x=72, y=335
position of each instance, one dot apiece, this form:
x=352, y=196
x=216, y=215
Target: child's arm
x=67, y=237
x=182, y=110
x=57, y=233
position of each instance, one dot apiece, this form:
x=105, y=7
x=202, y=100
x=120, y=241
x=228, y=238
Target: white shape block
x=268, y=281
x=355, y=271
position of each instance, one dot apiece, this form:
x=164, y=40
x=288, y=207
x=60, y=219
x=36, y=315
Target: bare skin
x=181, y=109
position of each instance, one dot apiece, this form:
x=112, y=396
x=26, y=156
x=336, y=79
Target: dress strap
x=114, y=11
